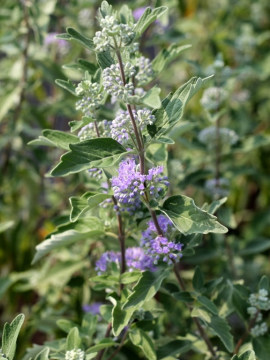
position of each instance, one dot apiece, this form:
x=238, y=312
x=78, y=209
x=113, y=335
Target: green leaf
x=65, y=325
x=8, y=101
x=120, y=318
x=86, y=65
x=255, y=247
x=103, y=344
x=147, y=18
x=172, y=107
x=130, y=277
x=43, y=354
x=167, y=55
x=190, y=219
x=55, y=138
x=69, y=234
x=63, y=36
x=101, y=153
x=140, y=339
x=215, y=205
x=73, y=339
x=75, y=35
x=157, y=154
x=105, y=59
x=89, y=325
x=208, y=304
x=83, y=204
x=146, y=288
x=152, y=99
x=247, y=355
x=261, y=346
x=10, y=335
x=222, y=330
x=198, y=279
x=105, y=9
x=4, y=226
x=183, y=296
x=67, y=85
x=264, y=283
x=175, y=347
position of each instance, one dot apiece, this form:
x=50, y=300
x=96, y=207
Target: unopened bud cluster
x=213, y=97
x=113, y=34
x=130, y=185
x=114, y=85
x=91, y=97
x=208, y=136
x=75, y=354
x=145, y=71
x=258, y=302
x=121, y=127
x=89, y=131
x=95, y=173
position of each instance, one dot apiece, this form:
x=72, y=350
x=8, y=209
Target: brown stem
x=195, y=319
x=107, y=334
x=121, y=236
x=120, y=346
x=96, y=128
x=243, y=338
x=121, y=232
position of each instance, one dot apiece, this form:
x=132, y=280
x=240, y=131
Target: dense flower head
x=91, y=97
x=136, y=259
x=161, y=247
x=75, y=354
x=213, y=97
x=145, y=71
x=89, y=131
x=209, y=135
x=113, y=83
x=259, y=329
x=130, y=184
x=112, y=34
x=260, y=300
x=121, y=126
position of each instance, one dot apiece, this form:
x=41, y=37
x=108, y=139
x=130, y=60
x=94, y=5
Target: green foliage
x=10, y=335
x=143, y=314
x=189, y=218
x=139, y=338
x=100, y=153
x=148, y=17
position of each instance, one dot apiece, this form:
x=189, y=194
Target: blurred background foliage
x=31, y=204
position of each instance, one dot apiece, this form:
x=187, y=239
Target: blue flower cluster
x=135, y=259
x=161, y=247
x=130, y=184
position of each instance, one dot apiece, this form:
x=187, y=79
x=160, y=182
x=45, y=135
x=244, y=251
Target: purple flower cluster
x=92, y=308
x=135, y=259
x=161, y=247
x=130, y=184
